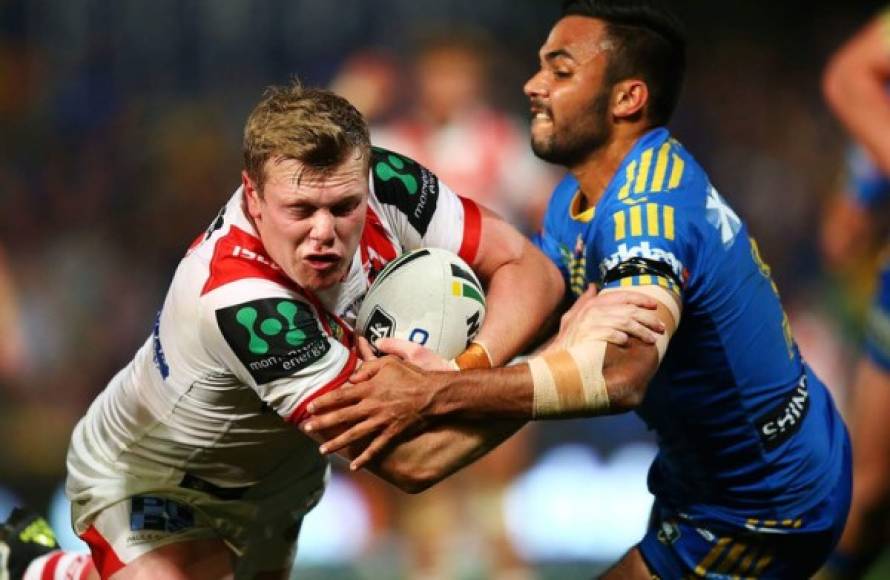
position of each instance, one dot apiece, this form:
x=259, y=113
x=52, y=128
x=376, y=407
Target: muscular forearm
x=510, y=392
x=416, y=464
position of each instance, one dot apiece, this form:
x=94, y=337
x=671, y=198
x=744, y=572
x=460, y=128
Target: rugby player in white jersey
x=190, y=464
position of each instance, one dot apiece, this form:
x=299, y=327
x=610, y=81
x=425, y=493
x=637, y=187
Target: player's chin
x=543, y=148
x=315, y=279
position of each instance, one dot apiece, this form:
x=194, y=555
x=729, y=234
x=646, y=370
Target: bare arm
x=519, y=278
x=415, y=464
x=392, y=398
x=508, y=393
x=855, y=87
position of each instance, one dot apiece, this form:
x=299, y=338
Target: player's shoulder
x=660, y=187
x=659, y=169
x=404, y=184
x=231, y=252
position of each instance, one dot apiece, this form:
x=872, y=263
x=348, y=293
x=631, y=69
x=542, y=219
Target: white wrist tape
x=569, y=381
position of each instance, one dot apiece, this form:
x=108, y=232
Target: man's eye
x=562, y=74
x=300, y=211
x=343, y=209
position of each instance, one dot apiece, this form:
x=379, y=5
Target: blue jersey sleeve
x=644, y=244
x=650, y=228
x=865, y=182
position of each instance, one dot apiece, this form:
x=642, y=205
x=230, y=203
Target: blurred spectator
x=453, y=128
x=369, y=79
x=855, y=86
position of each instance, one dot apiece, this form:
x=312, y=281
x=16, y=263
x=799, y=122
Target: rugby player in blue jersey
x=855, y=86
x=752, y=476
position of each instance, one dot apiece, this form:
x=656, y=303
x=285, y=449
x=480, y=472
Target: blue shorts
x=877, y=337
x=675, y=546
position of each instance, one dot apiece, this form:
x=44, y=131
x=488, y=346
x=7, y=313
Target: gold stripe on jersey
x=676, y=171
x=646, y=175
x=643, y=175
x=747, y=562
x=756, y=524
x=652, y=219
x=636, y=221
x=661, y=167
x=629, y=173
x=705, y=564
x=762, y=563
x=620, y=225
x=656, y=221
x=732, y=557
x=668, y=222
x=649, y=280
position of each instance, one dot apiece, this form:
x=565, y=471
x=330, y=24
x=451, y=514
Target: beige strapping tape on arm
x=569, y=380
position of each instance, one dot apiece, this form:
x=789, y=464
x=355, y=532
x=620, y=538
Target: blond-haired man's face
x=310, y=222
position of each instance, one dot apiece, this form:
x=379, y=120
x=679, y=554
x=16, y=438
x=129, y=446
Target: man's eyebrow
x=556, y=54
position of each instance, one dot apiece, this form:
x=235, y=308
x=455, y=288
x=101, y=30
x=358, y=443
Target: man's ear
x=629, y=98
x=251, y=195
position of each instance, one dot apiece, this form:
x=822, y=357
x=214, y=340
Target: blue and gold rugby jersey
x=745, y=430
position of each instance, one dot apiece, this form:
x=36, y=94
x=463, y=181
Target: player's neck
x=597, y=170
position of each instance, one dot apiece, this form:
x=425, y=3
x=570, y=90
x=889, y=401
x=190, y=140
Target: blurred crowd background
x=120, y=137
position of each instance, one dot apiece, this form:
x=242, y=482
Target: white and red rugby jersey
x=239, y=349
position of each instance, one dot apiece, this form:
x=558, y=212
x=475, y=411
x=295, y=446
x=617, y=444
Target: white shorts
x=132, y=527
x=260, y=524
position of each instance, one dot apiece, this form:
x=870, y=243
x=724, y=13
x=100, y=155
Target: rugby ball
x=428, y=296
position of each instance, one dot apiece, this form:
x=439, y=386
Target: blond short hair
x=313, y=126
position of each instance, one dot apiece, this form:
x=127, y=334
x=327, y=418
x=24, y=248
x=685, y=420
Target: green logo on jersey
x=271, y=327
x=406, y=185
x=392, y=169
x=273, y=337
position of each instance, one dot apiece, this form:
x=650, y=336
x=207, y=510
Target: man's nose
x=322, y=226
x=534, y=87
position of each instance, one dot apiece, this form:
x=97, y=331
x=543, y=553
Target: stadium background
x=119, y=139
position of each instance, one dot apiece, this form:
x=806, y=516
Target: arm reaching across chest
x=391, y=398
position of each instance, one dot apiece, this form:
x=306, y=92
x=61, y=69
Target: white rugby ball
x=428, y=296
